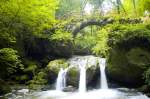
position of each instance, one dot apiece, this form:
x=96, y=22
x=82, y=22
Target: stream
x=104, y=92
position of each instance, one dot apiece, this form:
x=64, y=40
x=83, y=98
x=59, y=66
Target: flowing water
x=103, y=79
x=61, y=79
x=82, y=82
x=81, y=62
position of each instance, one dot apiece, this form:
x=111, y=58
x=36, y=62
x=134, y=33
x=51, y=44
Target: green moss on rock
x=55, y=65
x=121, y=67
x=73, y=76
x=129, y=55
x=53, y=68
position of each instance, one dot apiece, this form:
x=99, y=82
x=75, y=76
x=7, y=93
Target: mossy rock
x=60, y=49
x=55, y=65
x=138, y=56
x=53, y=68
x=128, y=66
x=73, y=75
x=4, y=87
x=92, y=75
x=129, y=54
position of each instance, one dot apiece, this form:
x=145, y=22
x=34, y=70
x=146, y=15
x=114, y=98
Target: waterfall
x=82, y=82
x=61, y=79
x=103, y=79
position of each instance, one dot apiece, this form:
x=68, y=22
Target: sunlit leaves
x=61, y=35
x=136, y=7
x=32, y=14
x=101, y=47
x=9, y=60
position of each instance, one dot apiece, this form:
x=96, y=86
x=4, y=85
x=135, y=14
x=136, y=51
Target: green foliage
x=61, y=35
x=19, y=18
x=39, y=79
x=143, y=5
x=29, y=12
x=85, y=40
x=120, y=33
x=9, y=61
x=84, y=43
x=136, y=7
x=6, y=39
x=67, y=7
x=101, y=46
x=31, y=66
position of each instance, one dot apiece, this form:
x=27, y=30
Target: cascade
x=103, y=93
x=82, y=81
x=61, y=79
x=103, y=79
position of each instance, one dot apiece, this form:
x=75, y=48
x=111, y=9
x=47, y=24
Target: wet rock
x=53, y=68
x=24, y=91
x=92, y=70
x=69, y=89
x=73, y=75
x=127, y=66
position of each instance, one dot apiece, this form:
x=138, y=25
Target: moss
x=38, y=80
x=55, y=65
x=138, y=56
x=73, y=76
x=127, y=66
x=129, y=53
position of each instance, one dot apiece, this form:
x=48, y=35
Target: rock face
x=73, y=73
x=129, y=54
x=53, y=69
x=127, y=65
x=92, y=71
x=41, y=48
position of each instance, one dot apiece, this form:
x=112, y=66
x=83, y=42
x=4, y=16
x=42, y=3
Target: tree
x=32, y=16
x=9, y=62
x=136, y=7
x=68, y=7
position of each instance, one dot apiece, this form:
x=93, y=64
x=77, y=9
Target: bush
x=38, y=80
x=101, y=47
x=9, y=62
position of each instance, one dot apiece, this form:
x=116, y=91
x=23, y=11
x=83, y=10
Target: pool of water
x=121, y=93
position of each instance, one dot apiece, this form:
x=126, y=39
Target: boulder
x=53, y=68
x=73, y=75
x=127, y=66
x=92, y=71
